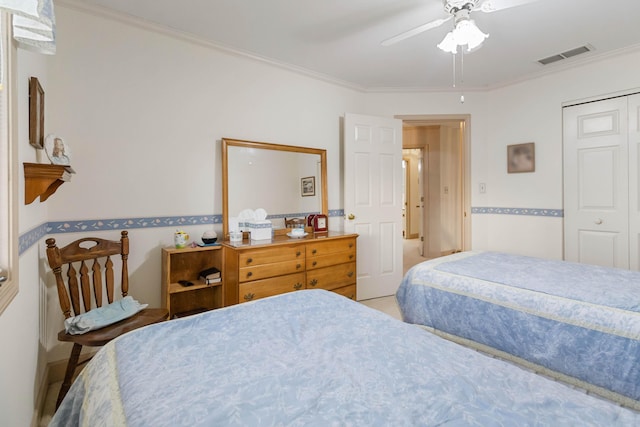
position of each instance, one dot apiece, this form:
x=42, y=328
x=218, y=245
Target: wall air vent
x=564, y=55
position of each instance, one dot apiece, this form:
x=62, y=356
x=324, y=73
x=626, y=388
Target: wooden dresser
x=254, y=269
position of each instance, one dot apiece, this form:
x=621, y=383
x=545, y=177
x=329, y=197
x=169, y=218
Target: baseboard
x=40, y=398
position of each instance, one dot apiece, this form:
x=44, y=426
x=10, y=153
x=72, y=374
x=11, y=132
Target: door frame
x=435, y=119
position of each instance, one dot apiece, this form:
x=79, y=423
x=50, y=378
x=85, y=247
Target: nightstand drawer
x=269, y=256
x=257, y=289
x=347, y=291
x=316, y=249
x=329, y=260
x=271, y=270
x=332, y=277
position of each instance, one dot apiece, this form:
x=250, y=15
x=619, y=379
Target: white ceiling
x=340, y=39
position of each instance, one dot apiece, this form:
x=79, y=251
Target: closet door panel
x=596, y=183
x=634, y=182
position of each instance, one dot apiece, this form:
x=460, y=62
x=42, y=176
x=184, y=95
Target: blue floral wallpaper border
x=556, y=213
x=31, y=237
x=34, y=235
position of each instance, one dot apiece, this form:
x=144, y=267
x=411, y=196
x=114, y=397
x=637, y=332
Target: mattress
x=578, y=320
x=313, y=358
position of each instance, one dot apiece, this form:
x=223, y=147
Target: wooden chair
x=80, y=296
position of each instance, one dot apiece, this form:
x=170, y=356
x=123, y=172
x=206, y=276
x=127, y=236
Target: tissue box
x=260, y=230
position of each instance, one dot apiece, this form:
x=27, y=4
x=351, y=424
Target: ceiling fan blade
x=489, y=6
x=414, y=32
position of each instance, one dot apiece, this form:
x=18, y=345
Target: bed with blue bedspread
x=579, y=321
x=313, y=358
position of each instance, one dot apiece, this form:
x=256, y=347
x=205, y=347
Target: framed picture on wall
x=521, y=158
x=308, y=186
x=36, y=113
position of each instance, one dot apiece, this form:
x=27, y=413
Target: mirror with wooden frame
x=285, y=180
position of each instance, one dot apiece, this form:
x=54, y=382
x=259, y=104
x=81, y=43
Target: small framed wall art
x=521, y=158
x=36, y=113
x=308, y=186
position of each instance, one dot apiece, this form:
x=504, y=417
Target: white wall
x=22, y=357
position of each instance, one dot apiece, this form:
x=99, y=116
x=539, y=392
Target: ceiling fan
x=465, y=31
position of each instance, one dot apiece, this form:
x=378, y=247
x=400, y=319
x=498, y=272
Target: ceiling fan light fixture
x=465, y=33
x=448, y=44
x=468, y=33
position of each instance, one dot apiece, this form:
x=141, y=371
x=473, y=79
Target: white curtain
x=34, y=24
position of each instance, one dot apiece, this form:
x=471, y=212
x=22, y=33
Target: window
x=8, y=171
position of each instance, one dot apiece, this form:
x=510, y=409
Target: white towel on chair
x=103, y=316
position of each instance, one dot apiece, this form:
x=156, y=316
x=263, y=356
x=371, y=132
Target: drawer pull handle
x=313, y=282
x=350, y=274
x=298, y=253
x=297, y=286
x=249, y=297
x=250, y=260
x=249, y=274
x=315, y=251
x=350, y=245
x=314, y=263
x=298, y=266
x=351, y=256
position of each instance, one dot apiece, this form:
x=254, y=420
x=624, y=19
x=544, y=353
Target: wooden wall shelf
x=43, y=180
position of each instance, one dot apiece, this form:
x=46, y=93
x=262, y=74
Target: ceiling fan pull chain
x=454, y=69
x=462, y=76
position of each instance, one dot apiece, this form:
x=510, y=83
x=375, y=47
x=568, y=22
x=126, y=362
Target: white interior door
x=373, y=200
x=596, y=185
x=634, y=182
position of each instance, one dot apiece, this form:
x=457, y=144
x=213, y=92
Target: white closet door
x=596, y=183
x=634, y=182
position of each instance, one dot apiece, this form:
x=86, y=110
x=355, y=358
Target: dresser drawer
x=257, y=289
x=270, y=255
x=316, y=249
x=271, y=270
x=346, y=291
x=330, y=278
x=329, y=260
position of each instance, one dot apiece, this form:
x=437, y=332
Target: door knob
x=598, y=221
x=351, y=217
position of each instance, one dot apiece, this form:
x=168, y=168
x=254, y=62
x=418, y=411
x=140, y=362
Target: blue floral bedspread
x=580, y=320
x=313, y=358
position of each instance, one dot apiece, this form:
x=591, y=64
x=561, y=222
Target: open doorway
x=436, y=221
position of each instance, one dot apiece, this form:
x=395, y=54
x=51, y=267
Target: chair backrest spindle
x=85, y=286
x=109, y=278
x=73, y=289
x=97, y=282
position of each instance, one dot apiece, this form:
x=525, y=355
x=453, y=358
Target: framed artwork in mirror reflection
x=308, y=186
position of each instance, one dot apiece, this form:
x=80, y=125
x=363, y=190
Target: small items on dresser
x=319, y=223
x=210, y=276
x=256, y=223
x=209, y=237
x=180, y=239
